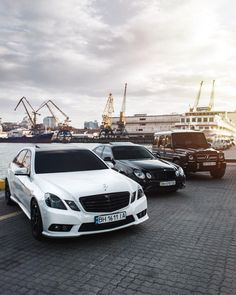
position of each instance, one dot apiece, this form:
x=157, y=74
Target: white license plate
x=167, y=183
x=209, y=163
x=110, y=217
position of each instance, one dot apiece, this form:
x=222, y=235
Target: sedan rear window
x=67, y=161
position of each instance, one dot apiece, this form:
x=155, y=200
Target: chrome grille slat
x=206, y=158
x=164, y=175
x=105, y=202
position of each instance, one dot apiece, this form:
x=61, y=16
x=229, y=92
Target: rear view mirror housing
x=21, y=171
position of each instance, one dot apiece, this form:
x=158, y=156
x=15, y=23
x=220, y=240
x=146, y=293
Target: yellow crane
x=105, y=129
x=121, y=131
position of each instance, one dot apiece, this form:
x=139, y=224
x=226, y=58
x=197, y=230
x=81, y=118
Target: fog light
x=142, y=213
x=60, y=227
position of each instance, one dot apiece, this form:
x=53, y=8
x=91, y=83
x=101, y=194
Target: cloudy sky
x=77, y=51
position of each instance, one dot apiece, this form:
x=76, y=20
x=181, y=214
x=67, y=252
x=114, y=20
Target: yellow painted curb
x=2, y=184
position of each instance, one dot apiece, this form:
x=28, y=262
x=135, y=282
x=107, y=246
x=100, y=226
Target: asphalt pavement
x=188, y=246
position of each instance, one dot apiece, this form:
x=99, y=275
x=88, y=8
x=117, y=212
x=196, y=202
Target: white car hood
x=72, y=185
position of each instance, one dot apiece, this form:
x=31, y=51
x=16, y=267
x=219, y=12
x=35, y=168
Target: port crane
x=105, y=129
x=212, y=98
x=64, y=130
x=211, y=102
x=121, y=131
x=194, y=108
x=32, y=117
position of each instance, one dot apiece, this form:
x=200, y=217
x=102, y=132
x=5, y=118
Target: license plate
x=110, y=217
x=167, y=183
x=209, y=163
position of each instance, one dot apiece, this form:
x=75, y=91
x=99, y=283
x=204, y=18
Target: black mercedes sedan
x=138, y=163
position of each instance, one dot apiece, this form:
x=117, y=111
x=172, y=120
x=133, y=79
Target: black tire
x=217, y=174
x=36, y=221
x=8, y=200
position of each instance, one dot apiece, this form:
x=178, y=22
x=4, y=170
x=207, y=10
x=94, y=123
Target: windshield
x=66, y=161
x=131, y=153
x=189, y=140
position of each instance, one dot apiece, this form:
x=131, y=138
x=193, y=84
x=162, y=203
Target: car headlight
x=54, y=202
x=221, y=156
x=140, y=193
x=179, y=172
x=190, y=157
x=149, y=175
x=139, y=174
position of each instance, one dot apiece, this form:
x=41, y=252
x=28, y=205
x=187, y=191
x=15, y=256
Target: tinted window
x=67, y=161
x=188, y=140
x=131, y=153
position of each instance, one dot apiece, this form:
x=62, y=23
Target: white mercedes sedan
x=68, y=192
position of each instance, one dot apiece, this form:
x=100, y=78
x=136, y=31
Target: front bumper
x=155, y=185
x=199, y=166
x=83, y=222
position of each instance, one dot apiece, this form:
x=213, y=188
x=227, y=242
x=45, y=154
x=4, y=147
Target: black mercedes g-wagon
x=190, y=150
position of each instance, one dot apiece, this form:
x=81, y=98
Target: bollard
x=2, y=184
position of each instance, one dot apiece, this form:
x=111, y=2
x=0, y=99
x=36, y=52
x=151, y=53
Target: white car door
x=14, y=183
x=21, y=184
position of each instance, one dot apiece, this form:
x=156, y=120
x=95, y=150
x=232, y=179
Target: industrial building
x=148, y=124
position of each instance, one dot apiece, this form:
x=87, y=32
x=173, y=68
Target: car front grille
x=105, y=202
x=205, y=158
x=91, y=226
x=164, y=175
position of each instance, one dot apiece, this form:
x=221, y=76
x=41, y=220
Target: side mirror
x=109, y=159
x=209, y=144
x=110, y=164
x=21, y=171
x=157, y=155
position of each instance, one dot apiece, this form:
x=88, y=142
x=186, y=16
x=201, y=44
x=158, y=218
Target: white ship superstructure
x=215, y=124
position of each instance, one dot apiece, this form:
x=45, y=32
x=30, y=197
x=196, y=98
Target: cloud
x=76, y=52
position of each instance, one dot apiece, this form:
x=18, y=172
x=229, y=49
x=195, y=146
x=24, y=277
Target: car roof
x=51, y=147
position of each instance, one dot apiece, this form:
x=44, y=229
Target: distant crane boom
x=107, y=113
x=198, y=97
x=105, y=129
x=123, y=107
x=64, y=114
x=35, y=113
x=212, y=98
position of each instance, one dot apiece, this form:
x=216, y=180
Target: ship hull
x=42, y=138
